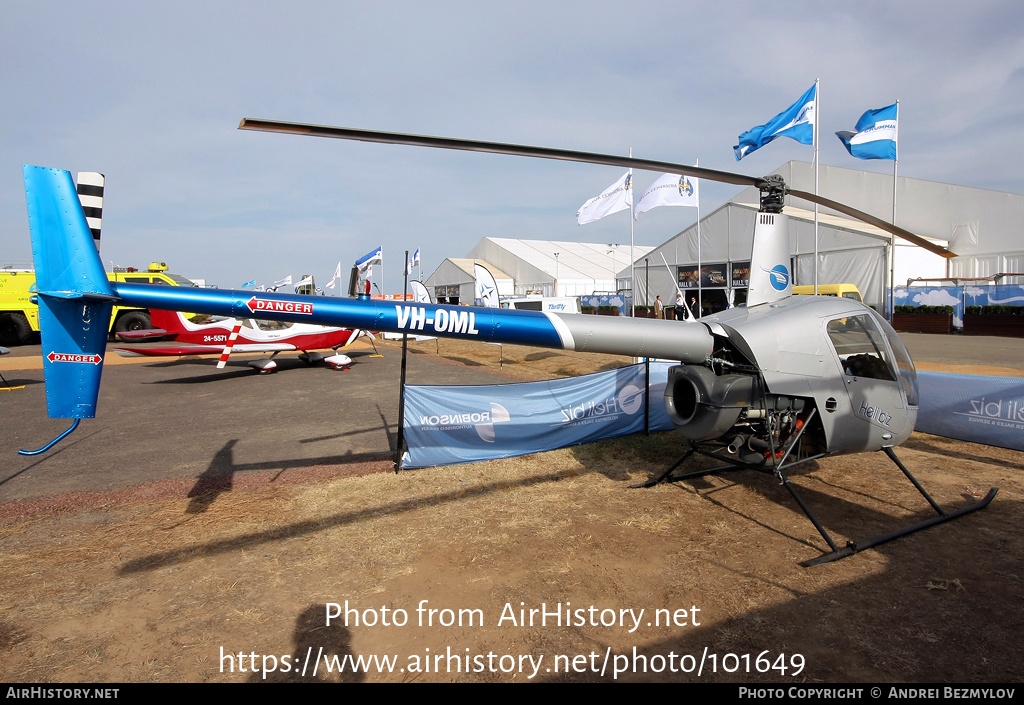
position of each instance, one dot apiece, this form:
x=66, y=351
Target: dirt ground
x=447, y=573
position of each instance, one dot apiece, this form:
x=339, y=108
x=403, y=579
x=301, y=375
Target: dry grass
x=146, y=591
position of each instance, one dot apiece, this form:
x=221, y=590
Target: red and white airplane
x=227, y=335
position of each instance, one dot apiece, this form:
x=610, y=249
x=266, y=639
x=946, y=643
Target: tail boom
x=623, y=336
x=75, y=300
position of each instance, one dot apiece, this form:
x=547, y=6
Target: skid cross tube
x=858, y=546
x=836, y=553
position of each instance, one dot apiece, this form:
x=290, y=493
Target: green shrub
x=923, y=309
x=994, y=310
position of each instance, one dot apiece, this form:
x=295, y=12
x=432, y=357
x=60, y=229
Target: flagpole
x=700, y=301
x=817, y=121
x=632, y=255
x=401, y=393
x=892, y=238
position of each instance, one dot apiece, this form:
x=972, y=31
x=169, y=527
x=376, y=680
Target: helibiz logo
x=685, y=187
x=628, y=400
x=1008, y=413
x=778, y=276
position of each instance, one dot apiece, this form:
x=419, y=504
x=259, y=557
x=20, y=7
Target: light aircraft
x=780, y=381
x=246, y=335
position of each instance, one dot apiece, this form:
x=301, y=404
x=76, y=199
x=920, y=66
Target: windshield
x=860, y=346
x=908, y=374
x=860, y=342
x=272, y=325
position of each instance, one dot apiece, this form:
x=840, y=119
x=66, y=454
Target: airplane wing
x=180, y=350
x=141, y=334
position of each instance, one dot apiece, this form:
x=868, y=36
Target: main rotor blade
x=346, y=133
x=872, y=220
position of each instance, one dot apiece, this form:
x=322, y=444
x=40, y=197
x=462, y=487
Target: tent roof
x=576, y=260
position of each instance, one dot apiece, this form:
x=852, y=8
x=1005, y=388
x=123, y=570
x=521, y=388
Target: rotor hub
x=773, y=193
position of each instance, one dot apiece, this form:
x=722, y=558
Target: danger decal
x=266, y=305
x=74, y=357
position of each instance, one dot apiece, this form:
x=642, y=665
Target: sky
x=151, y=94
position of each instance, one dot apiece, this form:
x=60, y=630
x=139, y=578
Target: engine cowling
x=733, y=410
x=703, y=405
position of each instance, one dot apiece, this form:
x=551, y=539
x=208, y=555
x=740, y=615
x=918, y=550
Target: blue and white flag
x=251, y=282
x=796, y=122
x=413, y=261
x=875, y=134
x=366, y=260
x=617, y=197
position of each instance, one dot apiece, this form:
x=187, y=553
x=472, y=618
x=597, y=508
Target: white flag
x=303, y=282
x=337, y=275
x=617, y=197
x=287, y=281
x=669, y=190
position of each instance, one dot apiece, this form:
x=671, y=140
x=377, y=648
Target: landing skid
x=780, y=472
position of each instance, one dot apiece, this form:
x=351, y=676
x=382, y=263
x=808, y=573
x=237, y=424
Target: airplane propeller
x=772, y=186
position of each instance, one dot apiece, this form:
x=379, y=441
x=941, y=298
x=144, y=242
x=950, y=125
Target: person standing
x=659, y=308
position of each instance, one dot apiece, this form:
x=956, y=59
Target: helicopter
x=780, y=381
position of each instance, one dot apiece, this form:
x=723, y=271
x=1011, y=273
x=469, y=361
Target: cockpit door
x=872, y=381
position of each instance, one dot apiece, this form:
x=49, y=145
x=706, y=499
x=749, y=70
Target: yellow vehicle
x=846, y=291
x=19, y=317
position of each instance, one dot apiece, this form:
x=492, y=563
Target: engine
x=734, y=409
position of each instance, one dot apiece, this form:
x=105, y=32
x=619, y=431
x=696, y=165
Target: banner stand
x=647, y=396
x=397, y=463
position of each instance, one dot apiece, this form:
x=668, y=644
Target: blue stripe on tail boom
x=470, y=323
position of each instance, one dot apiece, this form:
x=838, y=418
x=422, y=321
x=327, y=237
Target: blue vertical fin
x=75, y=298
